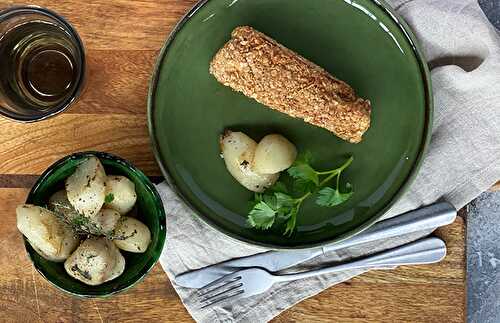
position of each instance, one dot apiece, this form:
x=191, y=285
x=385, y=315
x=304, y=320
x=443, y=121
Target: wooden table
x=122, y=40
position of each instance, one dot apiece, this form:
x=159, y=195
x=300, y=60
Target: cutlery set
x=251, y=275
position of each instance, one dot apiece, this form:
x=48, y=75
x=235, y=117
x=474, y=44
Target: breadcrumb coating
x=262, y=69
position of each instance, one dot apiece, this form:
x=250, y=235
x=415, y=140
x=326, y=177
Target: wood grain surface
x=431, y=293
x=122, y=40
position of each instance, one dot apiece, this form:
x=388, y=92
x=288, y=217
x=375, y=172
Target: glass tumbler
x=42, y=64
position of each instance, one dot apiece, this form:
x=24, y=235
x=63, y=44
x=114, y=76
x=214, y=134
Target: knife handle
x=423, y=251
x=425, y=218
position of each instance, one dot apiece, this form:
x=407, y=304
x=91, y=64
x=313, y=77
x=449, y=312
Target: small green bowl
x=150, y=212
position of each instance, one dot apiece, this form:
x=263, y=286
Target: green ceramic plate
x=361, y=42
x=150, y=212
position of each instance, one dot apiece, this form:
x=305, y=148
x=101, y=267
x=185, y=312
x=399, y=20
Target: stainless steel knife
x=428, y=217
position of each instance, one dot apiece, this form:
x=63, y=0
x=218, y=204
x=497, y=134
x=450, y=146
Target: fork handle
x=423, y=251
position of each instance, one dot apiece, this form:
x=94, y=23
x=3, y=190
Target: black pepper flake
x=84, y=273
x=91, y=256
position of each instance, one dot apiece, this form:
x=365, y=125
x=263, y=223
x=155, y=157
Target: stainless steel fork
x=252, y=281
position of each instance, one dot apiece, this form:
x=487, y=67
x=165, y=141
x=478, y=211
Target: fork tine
x=226, y=297
x=217, y=284
x=229, y=287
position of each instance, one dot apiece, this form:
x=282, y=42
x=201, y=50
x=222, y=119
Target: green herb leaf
x=291, y=223
x=271, y=201
x=283, y=214
x=109, y=198
x=261, y=216
x=304, y=172
x=301, y=186
x=284, y=200
x=304, y=158
x=330, y=197
x=80, y=221
x=279, y=187
x=301, y=168
x=257, y=198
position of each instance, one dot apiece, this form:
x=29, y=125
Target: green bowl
x=150, y=212
x=362, y=42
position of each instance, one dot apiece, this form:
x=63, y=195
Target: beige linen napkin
x=463, y=160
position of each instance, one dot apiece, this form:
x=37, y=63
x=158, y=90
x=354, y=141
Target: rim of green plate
x=429, y=107
x=163, y=229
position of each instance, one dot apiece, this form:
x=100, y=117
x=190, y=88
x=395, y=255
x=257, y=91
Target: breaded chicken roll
x=262, y=69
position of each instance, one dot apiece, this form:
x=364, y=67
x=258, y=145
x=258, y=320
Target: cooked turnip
x=119, y=267
x=95, y=261
x=131, y=235
x=59, y=204
x=105, y=222
x=85, y=188
x=238, y=151
x=49, y=236
x=273, y=154
x=120, y=194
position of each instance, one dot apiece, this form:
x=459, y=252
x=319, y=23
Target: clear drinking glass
x=42, y=64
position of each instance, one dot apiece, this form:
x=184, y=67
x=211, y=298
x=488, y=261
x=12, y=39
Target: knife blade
x=428, y=217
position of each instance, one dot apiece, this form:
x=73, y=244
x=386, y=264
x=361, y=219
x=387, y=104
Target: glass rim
x=63, y=106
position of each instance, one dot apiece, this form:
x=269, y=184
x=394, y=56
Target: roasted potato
x=121, y=193
x=131, y=235
x=49, y=236
x=85, y=188
x=95, y=261
x=238, y=152
x=273, y=154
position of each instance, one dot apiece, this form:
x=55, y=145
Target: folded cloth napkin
x=463, y=50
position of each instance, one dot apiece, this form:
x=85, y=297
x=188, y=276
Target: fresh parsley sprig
x=279, y=204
